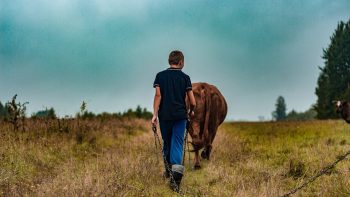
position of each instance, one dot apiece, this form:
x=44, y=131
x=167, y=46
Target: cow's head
x=343, y=108
x=339, y=105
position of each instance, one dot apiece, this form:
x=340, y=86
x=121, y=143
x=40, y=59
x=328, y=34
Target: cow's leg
x=209, y=147
x=197, y=164
x=206, y=152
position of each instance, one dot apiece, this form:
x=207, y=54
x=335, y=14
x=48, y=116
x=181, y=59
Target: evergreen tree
x=146, y=114
x=334, y=80
x=281, y=108
x=2, y=111
x=138, y=111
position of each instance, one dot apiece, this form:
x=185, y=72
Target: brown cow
x=210, y=112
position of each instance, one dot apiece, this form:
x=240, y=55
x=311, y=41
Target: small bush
x=16, y=113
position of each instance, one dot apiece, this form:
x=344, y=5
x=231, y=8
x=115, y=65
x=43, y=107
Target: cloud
x=61, y=52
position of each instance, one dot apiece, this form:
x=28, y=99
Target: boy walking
x=172, y=86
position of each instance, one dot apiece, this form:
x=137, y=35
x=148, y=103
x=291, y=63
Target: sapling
x=16, y=113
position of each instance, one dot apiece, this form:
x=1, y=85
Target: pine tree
x=138, y=111
x=2, y=110
x=281, y=108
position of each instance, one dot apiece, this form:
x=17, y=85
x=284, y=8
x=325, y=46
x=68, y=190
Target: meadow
x=117, y=157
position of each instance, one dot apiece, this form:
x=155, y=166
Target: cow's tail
x=205, y=135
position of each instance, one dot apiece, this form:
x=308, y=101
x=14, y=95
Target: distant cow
x=343, y=108
x=210, y=112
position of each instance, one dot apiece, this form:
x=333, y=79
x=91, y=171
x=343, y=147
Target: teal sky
x=107, y=52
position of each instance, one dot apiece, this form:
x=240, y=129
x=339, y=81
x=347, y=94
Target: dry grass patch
x=118, y=158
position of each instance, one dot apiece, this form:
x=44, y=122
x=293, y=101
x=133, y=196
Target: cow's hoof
x=197, y=166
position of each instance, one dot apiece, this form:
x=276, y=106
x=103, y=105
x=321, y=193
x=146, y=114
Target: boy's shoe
x=175, y=181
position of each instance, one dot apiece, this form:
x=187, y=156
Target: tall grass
x=117, y=157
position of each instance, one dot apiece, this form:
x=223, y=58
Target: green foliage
x=88, y=115
x=46, y=113
x=346, y=95
x=334, y=80
x=309, y=114
x=139, y=112
x=84, y=113
x=83, y=107
x=3, y=111
x=16, y=112
x=281, y=108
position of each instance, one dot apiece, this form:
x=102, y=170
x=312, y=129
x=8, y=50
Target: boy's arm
x=156, y=103
x=192, y=102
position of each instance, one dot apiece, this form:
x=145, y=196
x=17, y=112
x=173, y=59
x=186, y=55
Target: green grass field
x=118, y=158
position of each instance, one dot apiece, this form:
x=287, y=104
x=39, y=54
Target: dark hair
x=175, y=57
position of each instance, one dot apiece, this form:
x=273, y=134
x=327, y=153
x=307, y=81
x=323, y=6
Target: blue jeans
x=173, y=139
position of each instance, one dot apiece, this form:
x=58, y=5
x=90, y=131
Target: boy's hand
x=154, y=121
x=191, y=114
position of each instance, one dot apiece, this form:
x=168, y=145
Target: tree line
x=138, y=112
x=280, y=112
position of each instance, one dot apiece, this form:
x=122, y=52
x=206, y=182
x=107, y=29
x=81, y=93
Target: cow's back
x=210, y=111
x=217, y=103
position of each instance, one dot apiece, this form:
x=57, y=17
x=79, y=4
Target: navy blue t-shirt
x=173, y=84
